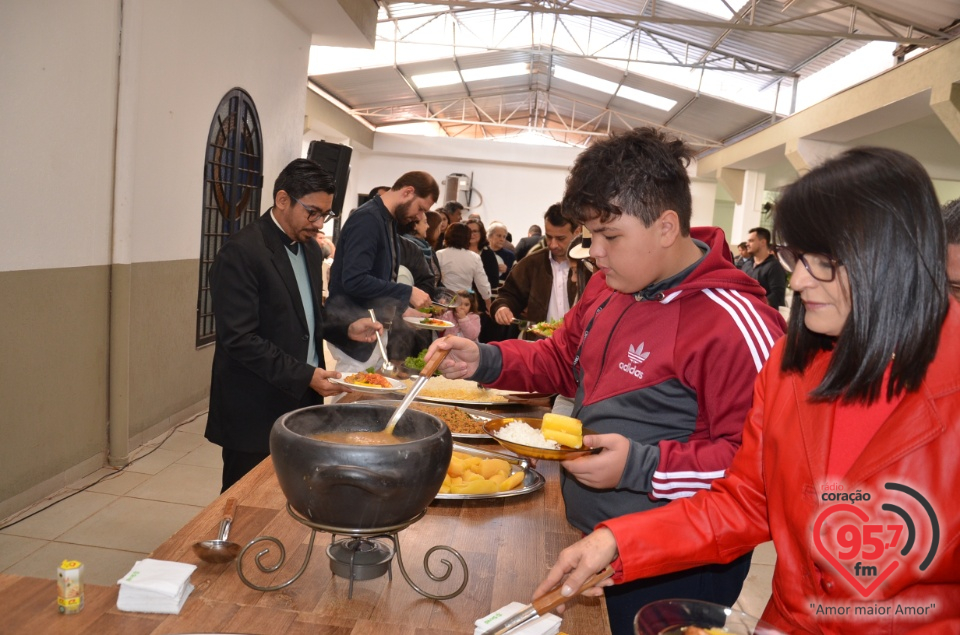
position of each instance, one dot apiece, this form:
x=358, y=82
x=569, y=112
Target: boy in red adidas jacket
x=660, y=353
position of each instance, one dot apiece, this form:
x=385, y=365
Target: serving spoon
x=388, y=369
x=220, y=550
x=428, y=370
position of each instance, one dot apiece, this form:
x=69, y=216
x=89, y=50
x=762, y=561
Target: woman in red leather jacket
x=849, y=455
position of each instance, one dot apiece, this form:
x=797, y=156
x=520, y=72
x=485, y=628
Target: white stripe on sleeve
x=750, y=319
x=723, y=302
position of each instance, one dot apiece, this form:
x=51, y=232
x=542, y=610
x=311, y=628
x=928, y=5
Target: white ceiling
x=764, y=47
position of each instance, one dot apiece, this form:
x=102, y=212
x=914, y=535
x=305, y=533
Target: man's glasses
x=314, y=213
x=821, y=267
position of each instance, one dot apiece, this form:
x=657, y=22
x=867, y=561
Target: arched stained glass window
x=232, y=182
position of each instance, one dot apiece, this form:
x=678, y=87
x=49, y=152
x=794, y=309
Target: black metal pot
x=359, y=486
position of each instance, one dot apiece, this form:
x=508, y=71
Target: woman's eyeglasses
x=821, y=267
x=314, y=213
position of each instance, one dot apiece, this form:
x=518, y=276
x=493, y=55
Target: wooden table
x=508, y=544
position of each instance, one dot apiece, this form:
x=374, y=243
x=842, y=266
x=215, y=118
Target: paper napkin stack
x=548, y=624
x=155, y=586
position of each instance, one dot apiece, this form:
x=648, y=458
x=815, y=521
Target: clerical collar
x=292, y=245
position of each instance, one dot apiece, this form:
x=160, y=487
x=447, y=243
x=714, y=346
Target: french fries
x=564, y=430
x=469, y=474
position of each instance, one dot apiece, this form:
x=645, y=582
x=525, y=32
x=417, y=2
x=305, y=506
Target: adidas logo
x=636, y=355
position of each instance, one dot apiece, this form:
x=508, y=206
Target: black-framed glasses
x=820, y=266
x=313, y=213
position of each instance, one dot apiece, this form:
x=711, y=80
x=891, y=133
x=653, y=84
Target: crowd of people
x=717, y=424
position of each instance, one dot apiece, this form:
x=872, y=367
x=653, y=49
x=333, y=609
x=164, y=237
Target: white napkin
x=155, y=586
x=548, y=624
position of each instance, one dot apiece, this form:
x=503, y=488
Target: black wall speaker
x=335, y=159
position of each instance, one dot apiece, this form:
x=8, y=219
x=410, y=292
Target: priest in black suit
x=265, y=284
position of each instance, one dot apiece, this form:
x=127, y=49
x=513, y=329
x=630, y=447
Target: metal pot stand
x=363, y=554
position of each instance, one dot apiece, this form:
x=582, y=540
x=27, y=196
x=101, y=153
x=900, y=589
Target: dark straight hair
x=874, y=210
x=424, y=185
x=302, y=177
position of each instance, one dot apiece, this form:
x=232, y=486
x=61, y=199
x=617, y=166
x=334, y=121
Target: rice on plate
x=522, y=433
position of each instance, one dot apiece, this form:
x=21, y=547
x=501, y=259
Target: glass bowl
x=673, y=617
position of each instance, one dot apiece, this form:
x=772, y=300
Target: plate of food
x=414, y=365
x=464, y=423
x=695, y=617
x=475, y=474
x=430, y=323
x=461, y=392
x=545, y=329
x=553, y=438
x=446, y=299
x=372, y=383
x=533, y=398
x=432, y=310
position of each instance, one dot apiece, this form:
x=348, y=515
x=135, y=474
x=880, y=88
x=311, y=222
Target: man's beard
x=401, y=213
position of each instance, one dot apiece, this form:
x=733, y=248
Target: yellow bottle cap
x=70, y=564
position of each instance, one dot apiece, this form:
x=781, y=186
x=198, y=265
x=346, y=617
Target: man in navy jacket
x=364, y=272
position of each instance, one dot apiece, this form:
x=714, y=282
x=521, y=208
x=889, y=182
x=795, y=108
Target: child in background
x=466, y=320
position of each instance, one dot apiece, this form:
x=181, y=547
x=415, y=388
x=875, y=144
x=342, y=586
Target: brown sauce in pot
x=359, y=438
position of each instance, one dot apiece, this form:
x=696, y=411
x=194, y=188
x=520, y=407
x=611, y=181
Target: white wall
x=58, y=61
x=59, y=64
x=704, y=195
x=186, y=65
x=518, y=182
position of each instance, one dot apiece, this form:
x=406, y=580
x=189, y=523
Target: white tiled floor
x=120, y=520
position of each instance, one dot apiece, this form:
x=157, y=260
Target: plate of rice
x=522, y=436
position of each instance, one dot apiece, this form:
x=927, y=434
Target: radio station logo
x=865, y=551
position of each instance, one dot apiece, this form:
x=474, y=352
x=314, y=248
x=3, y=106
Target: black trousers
x=717, y=583
x=236, y=464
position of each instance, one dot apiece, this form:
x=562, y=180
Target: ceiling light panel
x=715, y=8
x=611, y=88
x=447, y=78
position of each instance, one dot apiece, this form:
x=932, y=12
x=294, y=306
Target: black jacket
x=364, y=273
x=772, y=278
x=525, y=244
x=259, y=363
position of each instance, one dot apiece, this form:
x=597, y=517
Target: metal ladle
x=220, y=550
x=388, y=369
x=425, y=374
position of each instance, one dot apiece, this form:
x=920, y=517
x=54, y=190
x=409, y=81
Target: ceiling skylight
x=611, y=88
x=446, y=78
x=716, y=8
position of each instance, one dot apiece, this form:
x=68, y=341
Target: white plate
x=466, y=402
x=418, y=322
x=396, y=386
x=439, y=386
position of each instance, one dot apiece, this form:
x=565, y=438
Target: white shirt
x=559, y=302
x=461, y=269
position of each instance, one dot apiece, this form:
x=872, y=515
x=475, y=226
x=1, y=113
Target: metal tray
x=531, y=483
